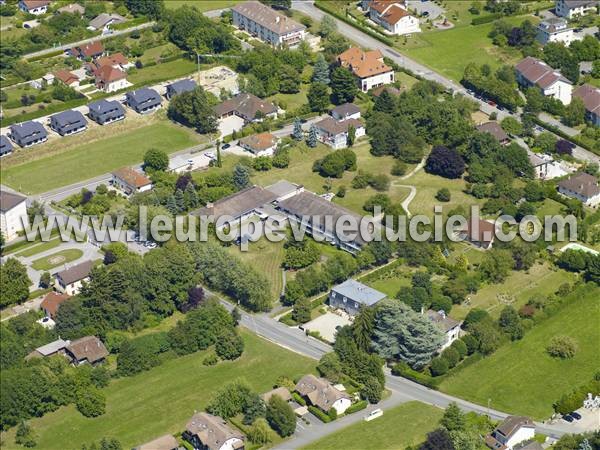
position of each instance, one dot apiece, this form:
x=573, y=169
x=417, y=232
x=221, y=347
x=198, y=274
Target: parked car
x=210, y=155
x=374, y=414
x=575, y=415
x=568, y=418
x=226, y=146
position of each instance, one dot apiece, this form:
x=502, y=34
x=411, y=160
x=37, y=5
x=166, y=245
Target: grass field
x=398, y=428
x=160, y=401
x=93, y=159
x=202, y=5
x=521, y=378
x=172, y=69
x=57, y=259
x=39, y=248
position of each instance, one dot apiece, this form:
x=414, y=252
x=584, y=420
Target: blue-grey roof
x=182, y=86
x=22, y=130
x=142, y=96
x=359, y=292
x=103, y=106
x=5, y=145
x=69, y=117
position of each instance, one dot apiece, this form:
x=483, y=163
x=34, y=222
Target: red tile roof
x=132, y=177
x=590, y=96
x=259, y=142
x=116, y=59
x=66, y=77
x=32, y=4
x=394, y=14
x=364, y=64
x=91, y=49
x=52, y=301
x=107, y=74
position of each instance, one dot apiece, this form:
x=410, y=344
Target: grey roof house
x=246, y=106
x=104, y=111
x=143, y=100
x=28, y=133
x=495, y=130
x=346, y=111
x=207, y=432
x=49, y=349
x=105, y=20
x=68, y=122
x=88, y=349
x=351, y=295
x=180, y=87
x=5, y=145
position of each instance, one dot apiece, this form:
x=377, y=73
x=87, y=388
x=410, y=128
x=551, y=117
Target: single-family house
x=246, y=106
x=116, y=60
x=66, y=77
x=320, y=217
x=88, y=349
x=346, y=111
x=591, y=100
x=262, y=144
x=70, y=281
x=29, y=133
x=368, y=67
x=56, y=347
x=449, y=326
x=480, y=233
x=68, y=122
x=495, y=130
x=105, y=111
x=352, y=295
x=393, y=17
x=166, y=442
x=512, y=431
x=35, y=7
x=13, y=214
x=207, y=432
x=335, y=133
x=5, y=146
x=143, y=101
x=48, y=79
x=179, y=87
x=583, y=187
x=52, y=302
x=282, y=392
x=533, y=72
x=321, y=393
x=236, y=207
x=72, y=8
x=554, y=30
x=92, y=50
x=110, y=79
x=283, y=189
x=268, y=25
x=571, y=8
x=104, y=21
x=130, y=181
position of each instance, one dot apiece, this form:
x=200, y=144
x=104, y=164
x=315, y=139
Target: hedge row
x=320, y=414
x=486, y=19
x=403, y=370
x=562, y=134
x=298, y=399
x=358, y=406
x=46, y=55
x=322, y=6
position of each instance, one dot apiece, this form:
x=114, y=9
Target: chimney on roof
x=277, y=19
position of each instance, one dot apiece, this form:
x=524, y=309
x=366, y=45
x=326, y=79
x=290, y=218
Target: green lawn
x=160, y=72
x=160, y=401
x=398, y=428
x=202, y=5
x=87, y=161
x=521, y=378
x=40, y=247
x=57, y=259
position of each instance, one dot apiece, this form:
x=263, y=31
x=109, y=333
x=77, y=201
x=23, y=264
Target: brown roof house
x=247, y=106
x=334, y=133
x=52, y=301
x=70, y=281
x=495, y=130
x=92, y=50
x=130, y=181
x=393, y=17
x=514, y=430
x=480, y=233
x=207, y=432
x=368, y=67
x=263, y=144
x=35, y=7
x=581, y=186
x=282, y=392
x=88, y=349
x=591, y=99
x=166, y=442
x=72, y=8
x=533, y=72
x=320, y=393
x=109, y=78
x=449, y=326
x=267, y=24
x=68, y=78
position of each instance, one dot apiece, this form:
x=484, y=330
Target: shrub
x=451, y=356
x=358, y=406
x=439, y=366
x=471, y=343
x=332, y=413
x=229, y=345
x=402, y=369
x=443, y=195
x=399, y=168
x=90, y=402
x=210, y=360
x=298, y=399
x=563, y=347
x=460, y=347
x=319, y=414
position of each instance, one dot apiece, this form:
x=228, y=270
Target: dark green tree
x=156, y=160
x=343, y=86
x=280, y=416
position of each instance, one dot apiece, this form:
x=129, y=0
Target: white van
x=374, y=414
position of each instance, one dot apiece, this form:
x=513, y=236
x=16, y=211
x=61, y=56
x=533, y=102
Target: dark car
x=226, y=146
x=568, y=418
x=575, y=415
x=425, y=13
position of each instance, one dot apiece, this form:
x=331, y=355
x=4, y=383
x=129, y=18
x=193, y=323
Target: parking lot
x=327, y=325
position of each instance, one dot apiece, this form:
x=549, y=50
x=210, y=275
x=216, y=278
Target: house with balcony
x=27, y=134
x=572, y=8
x=68, y=122
x=554, y=30
x=394, y=17
x=106, y=111
x=590, y=96
x=143, y=101
x=334, y=133
x=368, y=67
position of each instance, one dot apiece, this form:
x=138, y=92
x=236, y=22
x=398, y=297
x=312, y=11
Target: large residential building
x=248, y=107
x=591, y=99
x=29, y=133
x=351, y=295
x=368, y=67
x=5, y=146
x=262, y=144
x=35, y=7
x=143, y=101
x=13, y=214
x=393, y=17
x=207, y=432
x=448, y=326
x=533, y=72
x=554, y=30
x=267, y=24
x=571, y=8
x=130, y=181
x=105, y=111
x=68, y=122
x=583, y=187
x=513, y=431
x=320, y=393
x=86, y=350
x=335, y=133
x=70, y=281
